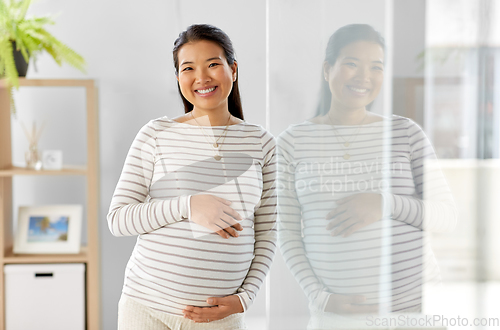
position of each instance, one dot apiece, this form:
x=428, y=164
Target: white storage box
x=45, y=296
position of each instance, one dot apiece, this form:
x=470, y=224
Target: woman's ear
x=326, y=70
x=234, y=68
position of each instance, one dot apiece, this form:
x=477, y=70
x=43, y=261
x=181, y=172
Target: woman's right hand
x=214, y=213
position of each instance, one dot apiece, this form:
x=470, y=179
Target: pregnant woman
x=199, y=192
x=357, y=191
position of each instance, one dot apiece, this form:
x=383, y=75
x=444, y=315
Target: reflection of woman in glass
x=199, y=192
x=352, y=205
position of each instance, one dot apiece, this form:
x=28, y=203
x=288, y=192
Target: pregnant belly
x=177, y=267
x=360, y=263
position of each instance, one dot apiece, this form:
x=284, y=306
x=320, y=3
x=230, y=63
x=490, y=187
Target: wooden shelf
x=67, y=170
x=89, y=255
x=11, y=258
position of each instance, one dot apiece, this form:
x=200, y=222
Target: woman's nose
x=363, y=74
x=202, y=76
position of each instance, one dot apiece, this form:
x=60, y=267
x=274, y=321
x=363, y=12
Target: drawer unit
x=45, y=296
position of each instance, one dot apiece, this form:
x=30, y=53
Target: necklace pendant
x=347, y=144
x=217, y=157
x=347, y=156
x=215, y=145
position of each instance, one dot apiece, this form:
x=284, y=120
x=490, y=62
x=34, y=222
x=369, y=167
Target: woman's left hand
x=354, y=212
x=224, y=307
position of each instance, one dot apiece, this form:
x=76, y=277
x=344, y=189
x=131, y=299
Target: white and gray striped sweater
x=388, y=157
x=176, y=262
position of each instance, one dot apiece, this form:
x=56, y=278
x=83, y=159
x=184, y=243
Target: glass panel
x=462, y=117
x=420, y=248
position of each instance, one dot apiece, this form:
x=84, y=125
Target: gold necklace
x=217, y=156
x=347, y=143
x=215, y=144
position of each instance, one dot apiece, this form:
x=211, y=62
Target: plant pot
x=21, y=64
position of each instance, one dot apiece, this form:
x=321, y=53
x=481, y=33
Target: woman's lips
x=206, y=91
x=359, y=91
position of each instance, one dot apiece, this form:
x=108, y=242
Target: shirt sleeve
x=132, y=211
x=290, y=226
x=432, y=208
x=264, y=226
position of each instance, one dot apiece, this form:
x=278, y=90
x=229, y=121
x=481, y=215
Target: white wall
x=409, y=37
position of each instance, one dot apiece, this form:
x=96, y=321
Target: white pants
x=133, y=315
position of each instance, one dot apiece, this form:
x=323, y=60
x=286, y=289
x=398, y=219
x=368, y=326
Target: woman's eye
x=187, y=68
x=379, y=68
x=351, y=64
x=213, y=64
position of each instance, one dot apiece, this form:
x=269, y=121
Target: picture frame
x=48, y=229
x=52, y=160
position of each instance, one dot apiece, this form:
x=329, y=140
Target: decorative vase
x=32, y=157
x=21, y=64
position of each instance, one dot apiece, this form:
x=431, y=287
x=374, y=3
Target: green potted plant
x=24, y=38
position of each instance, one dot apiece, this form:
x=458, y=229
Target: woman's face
x=205, y=78
x=356, y=77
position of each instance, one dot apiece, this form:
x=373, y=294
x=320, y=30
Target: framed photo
x=49, y=229
x=52, y=159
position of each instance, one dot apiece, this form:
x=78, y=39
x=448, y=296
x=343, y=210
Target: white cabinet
x=45, y=296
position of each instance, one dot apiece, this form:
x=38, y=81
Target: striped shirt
x=176, y=262
x=317, y=165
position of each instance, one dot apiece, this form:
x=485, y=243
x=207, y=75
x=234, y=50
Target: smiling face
x=205, y=78
x=356, y=77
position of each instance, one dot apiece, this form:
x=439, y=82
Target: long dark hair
x=342, y=37
x=197, y=32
